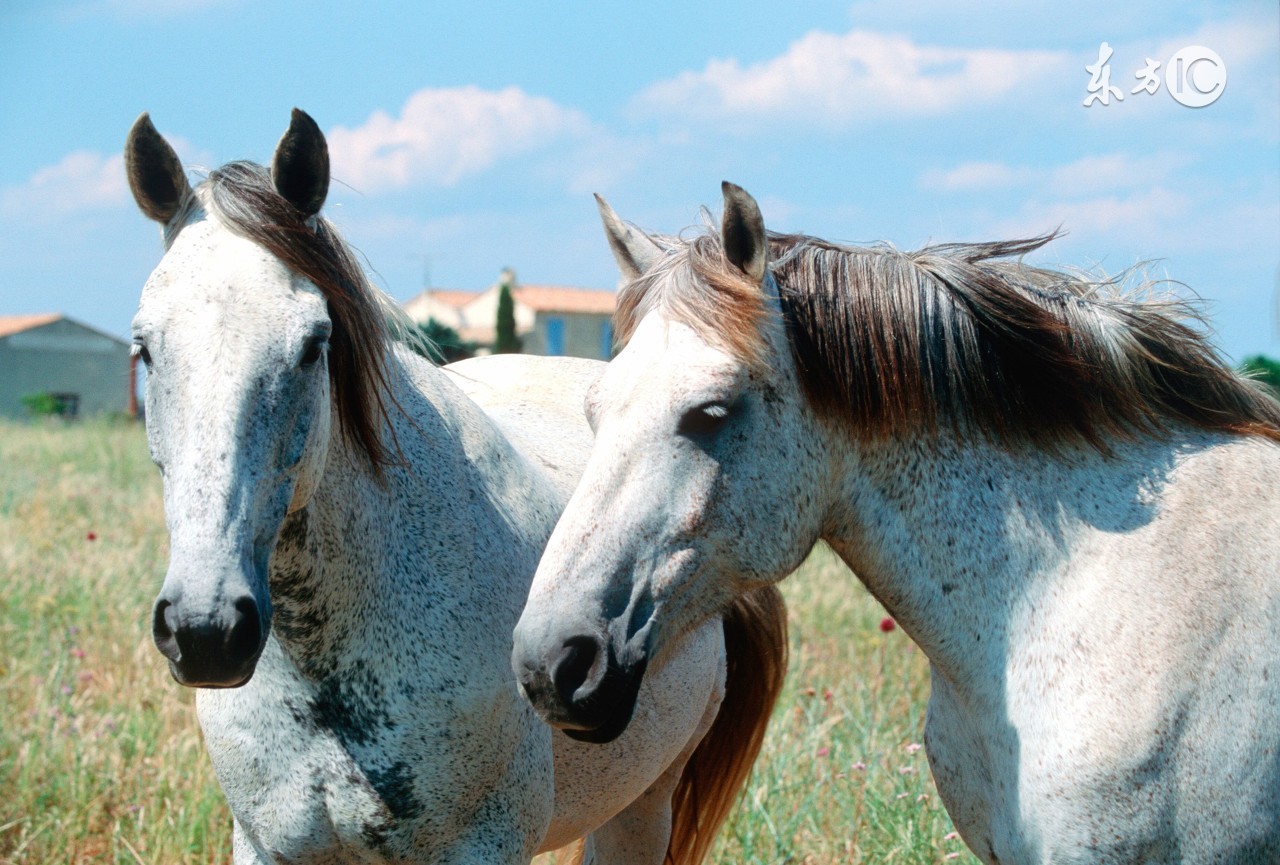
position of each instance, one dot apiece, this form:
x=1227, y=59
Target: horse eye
x=140, y=349
x=704, y=420
x=315, y=347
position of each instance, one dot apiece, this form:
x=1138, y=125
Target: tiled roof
x=551, y=298
x=11, y=324
x=540, y=298
x=452, y=298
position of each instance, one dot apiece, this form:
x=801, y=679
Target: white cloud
x=1114, y=171
x=976, y=176
x=444, y=135
x=1088, y=175
x=1142, y=219
x=858, y=76
x=83, y=180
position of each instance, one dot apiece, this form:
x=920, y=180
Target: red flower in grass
x=92, y=536
x=887, y=624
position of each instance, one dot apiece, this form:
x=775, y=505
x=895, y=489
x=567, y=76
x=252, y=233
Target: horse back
x=537, y=402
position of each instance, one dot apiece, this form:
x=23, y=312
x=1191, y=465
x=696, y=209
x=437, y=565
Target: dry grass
x=100, y=755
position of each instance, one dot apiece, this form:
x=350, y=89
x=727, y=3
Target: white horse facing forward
x=352, y=536
x=1068, y=500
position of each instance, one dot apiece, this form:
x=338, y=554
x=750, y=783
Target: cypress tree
x=507, y=341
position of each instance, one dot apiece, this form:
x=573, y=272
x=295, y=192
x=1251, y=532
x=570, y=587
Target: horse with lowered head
x=1067, y=499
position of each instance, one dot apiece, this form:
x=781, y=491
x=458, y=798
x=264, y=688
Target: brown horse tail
x=755, y=641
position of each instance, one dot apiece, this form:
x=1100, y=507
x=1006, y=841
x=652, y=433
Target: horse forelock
x=960, y=336
x=695, y=286
x=242, y=196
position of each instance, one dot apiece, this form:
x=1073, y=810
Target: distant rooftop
x=11, y=324
x=540, y=298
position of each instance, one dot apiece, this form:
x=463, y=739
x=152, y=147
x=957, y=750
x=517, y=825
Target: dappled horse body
x=352, y=535
x=1063, y=495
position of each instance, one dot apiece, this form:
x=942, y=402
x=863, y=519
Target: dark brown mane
x=964, y=336
x=243, y=196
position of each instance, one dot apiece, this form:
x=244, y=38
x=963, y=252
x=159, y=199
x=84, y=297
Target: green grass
x=101, y=758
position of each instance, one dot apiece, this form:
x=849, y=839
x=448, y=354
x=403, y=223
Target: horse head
x=235, y=343
x=670, y=523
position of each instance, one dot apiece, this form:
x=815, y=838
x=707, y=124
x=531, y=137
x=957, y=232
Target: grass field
x=101, y=759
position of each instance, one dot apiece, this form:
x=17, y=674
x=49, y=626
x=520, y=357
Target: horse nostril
x=576, y=669
x=246, y=634
x=162, y=629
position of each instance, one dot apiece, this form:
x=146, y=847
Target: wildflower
x=66, y=690
x=77, y=652
x=952, y=856
x=92, y=536
x=913, y=747
x=887, y=624
x=822, y=752
x=827, y=695
x=951, y=836
x=859, y=766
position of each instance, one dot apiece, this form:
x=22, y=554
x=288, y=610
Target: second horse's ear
x=634, y=250
x=742, y=232
x=300, y=167
x=156, y=177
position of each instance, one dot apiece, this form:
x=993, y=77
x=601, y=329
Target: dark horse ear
x=156, y=177
x=742, y=232
x=634, y=250
x=300, y=168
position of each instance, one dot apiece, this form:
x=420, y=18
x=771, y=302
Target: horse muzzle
x=578, y=684
x=211, y=647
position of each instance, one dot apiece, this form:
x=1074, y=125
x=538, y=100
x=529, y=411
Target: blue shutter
x=555, y=336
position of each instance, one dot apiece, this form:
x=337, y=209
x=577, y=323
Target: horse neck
x=959, y=539
x=458, y=525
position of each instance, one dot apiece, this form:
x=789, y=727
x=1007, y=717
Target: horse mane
x=966, y=336
x=242, y=195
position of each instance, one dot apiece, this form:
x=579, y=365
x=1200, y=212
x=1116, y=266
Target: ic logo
x=1195, y=76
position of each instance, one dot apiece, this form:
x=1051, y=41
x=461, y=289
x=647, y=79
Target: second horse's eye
x=141, y=352
x=315, y=347
x=705, y=420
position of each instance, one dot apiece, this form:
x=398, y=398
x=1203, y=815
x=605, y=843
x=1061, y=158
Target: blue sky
x=468, y=136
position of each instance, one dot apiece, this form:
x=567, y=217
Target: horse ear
x=300, y=167
x=156, y=177
x=742, y=232
x=634, y=250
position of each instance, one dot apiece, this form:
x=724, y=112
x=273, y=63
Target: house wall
x=483, y=313
x=582, y=332
x=63, y=357
x=424, y=307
